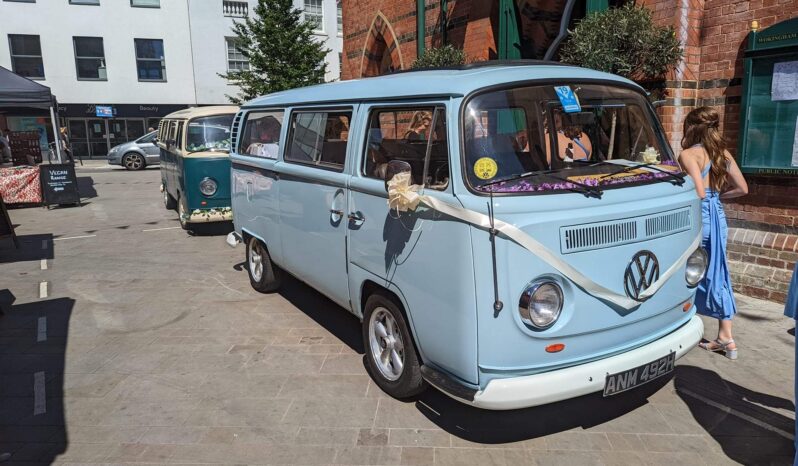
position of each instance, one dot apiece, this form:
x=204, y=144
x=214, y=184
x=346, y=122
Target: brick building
x=718, y=37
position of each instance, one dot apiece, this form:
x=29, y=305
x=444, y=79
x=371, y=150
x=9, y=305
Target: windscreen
x=556, y=137
x=210, y=133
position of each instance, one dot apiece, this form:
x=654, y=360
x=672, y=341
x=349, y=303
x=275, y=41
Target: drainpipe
x=444, y=22
x=421, y=27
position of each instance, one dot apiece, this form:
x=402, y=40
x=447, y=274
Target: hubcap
x=255, y=260
x=386, y=345
x=134, y=162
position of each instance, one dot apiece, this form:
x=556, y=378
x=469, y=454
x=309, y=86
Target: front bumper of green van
x=214, y=214
x=570, y=382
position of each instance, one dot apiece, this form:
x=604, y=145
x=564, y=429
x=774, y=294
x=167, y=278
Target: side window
x=261, y=135
x=319, y=138
x=179, y=135
x=414, y=135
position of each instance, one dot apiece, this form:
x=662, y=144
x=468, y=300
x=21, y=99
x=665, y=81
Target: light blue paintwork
x=440, y=268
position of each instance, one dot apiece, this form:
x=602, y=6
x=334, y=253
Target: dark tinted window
x=26, y=56
x=150, y=59
x=90, y=57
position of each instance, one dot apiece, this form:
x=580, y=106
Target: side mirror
x=393, y=167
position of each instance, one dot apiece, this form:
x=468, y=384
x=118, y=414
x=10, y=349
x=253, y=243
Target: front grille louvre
x=667, y=224
x=623, y=231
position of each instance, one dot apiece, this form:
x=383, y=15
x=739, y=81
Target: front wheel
x=264, y=275
x=133, y=161
x=390, y=354
x=182, y=212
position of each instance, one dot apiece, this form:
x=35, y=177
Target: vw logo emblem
x=642, y=271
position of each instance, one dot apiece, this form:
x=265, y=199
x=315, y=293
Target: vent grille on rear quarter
x=234, y=132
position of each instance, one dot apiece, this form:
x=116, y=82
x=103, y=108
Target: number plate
x=626, y=380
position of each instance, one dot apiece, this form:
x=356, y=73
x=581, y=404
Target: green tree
x=281, y=49
x=440, y=57
x=623, y=41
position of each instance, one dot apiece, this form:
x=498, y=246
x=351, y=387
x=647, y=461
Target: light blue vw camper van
x=512, y=234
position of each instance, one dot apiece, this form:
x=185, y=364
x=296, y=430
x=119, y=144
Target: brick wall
x=469, y=27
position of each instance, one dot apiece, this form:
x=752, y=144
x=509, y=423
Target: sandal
x=720, y=346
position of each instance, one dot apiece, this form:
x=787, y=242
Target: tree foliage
x=623, y=41
x=440, y=57
x=281, y=49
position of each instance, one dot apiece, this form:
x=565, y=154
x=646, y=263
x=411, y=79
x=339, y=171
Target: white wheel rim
x=255, y=260
x=386, y=345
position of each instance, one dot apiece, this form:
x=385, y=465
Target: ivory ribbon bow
x=404, y=196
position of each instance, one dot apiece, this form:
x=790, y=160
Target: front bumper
x=216, y=214
x=571, y=382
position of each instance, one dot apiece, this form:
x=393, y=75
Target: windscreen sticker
x=485, y=168
x=569, y=100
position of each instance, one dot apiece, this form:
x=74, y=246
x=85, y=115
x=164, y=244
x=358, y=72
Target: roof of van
x=454, y=81
x=194, y=112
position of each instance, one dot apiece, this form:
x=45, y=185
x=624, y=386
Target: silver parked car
x=135, y=155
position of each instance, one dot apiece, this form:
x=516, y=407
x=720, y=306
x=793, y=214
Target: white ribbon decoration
x=403, y=196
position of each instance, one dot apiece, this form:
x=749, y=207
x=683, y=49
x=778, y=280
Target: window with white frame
x=236, y=61
x=340, y=14
x=314, y=14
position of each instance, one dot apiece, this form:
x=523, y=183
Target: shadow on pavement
x=211, y=228
x=498, y=427
x=31, y=248
x=86, y=187
x=738, y=418
x=33, y=339
x=334, y=318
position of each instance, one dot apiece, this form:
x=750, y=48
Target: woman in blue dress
x=716, y=176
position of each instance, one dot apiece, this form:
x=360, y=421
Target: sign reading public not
x=59, y=184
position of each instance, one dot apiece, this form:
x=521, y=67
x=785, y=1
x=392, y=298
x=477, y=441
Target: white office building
x=142, y=58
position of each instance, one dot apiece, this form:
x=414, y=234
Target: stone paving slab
x=159, y=352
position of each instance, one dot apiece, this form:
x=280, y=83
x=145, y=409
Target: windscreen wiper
x=587, y=190
x=676, y=179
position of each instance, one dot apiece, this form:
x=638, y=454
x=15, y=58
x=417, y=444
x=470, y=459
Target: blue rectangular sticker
x=569, y=101
x=104, y=111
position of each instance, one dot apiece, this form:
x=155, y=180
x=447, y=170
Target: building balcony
x=235, y=8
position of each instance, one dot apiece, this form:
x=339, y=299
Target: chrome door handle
x=337, y=212
x=356, y=217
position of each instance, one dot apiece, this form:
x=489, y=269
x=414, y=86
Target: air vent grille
x=581, y=238
x=666, y=224
x=234, y=132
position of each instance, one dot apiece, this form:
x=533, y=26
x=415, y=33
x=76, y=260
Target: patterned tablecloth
x=20, y=185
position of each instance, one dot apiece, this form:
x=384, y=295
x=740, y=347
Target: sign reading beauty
x=59, y=184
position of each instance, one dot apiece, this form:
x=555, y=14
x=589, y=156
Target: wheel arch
x=370, y=287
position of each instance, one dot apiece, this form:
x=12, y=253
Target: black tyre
x=169, y=202
x=182, y=213
x=391, y=357
x=133, y=161
x=264, y=275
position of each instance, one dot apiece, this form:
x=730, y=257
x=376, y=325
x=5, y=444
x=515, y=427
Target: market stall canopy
x=16, y=91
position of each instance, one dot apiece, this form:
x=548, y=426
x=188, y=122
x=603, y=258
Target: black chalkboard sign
x=59, y=184
x=6, y=228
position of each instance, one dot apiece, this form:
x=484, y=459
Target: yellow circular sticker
x=485, y=168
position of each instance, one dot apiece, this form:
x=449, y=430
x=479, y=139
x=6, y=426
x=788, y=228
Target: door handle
x=337, y=212
x=356, y=217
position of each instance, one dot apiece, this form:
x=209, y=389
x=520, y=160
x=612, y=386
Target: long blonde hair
x=701, y=127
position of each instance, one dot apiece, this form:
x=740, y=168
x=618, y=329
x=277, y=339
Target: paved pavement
x=147, y=345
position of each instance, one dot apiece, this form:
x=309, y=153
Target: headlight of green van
x=541, y=304
x=696, y=267
x=208, y=186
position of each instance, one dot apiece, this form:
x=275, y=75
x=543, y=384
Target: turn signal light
x=686, y=306
x=203, y=203
x=555, y=348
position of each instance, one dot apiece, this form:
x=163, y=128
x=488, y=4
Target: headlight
x=208, y=186
x=541, y=304
x=696, y=267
